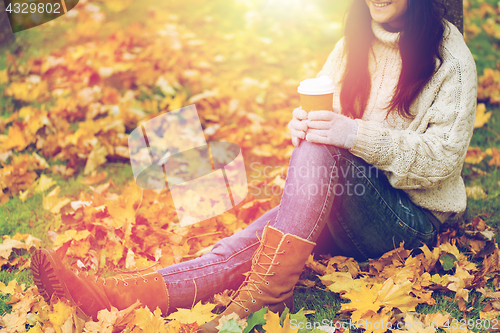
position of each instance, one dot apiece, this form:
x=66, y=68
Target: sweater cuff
x=368, y=135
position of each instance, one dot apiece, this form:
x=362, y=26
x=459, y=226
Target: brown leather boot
x=92, y=294
x=276, y=268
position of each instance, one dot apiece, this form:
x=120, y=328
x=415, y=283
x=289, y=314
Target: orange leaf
x=474, y=155
x=482, y=116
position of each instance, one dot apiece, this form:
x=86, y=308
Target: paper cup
x=316, y=94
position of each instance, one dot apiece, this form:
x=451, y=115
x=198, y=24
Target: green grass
x=23, y=277
x=16, y=216
x=484, y=175
x=484, y=48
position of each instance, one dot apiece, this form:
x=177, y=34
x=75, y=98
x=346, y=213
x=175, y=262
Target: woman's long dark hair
x=419, y=45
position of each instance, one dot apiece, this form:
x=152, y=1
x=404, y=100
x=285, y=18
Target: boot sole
x=44, y=266
x=49, y=275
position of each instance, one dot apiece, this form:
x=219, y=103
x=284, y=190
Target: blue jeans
x=325, y=185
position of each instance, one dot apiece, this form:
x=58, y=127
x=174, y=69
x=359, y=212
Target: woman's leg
x=222, y=268
x=369, y=217
x=303, y=211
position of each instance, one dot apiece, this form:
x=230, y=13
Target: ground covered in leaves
x=72, y=90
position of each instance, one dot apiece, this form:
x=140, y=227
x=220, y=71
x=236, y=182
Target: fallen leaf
x=341, y=282
x=273, y=324
x=53, y=203
x=482, y=116
x=200, y=314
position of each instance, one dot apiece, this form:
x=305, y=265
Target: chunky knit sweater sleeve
x=434, y=146
x=423, y=156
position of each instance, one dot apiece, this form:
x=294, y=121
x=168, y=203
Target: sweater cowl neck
x=388, y=38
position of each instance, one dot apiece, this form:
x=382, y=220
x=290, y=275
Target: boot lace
x=250, y=283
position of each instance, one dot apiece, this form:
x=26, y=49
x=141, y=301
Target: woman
x=382, y=169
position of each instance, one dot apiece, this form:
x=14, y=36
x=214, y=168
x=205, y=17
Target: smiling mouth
x=381, y=4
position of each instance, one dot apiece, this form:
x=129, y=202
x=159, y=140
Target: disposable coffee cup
x=316, y=94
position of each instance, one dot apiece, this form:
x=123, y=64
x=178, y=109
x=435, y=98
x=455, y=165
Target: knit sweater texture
x=423, y=156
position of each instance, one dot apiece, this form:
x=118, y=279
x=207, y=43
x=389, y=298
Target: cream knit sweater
x=423, y=156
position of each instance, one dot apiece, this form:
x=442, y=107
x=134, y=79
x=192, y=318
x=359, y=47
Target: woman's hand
x=298, y=126
x=330, y=128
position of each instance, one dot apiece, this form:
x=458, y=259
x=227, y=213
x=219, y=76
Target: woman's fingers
x=295, y=141
x=321, y=115
x=318, y=132
x=297, y=125
x=311, y=137
x=298, y=134
x=319, y=124
x=299, y=113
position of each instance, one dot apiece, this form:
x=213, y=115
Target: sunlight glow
x=281, y=3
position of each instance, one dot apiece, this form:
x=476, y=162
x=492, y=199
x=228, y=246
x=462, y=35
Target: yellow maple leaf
x=341, y=281
x=482, y=116
x=200, y=313
x=150, y=322
x=52, y=203
x=362, y=301
x=273, y=324
x=397, y=295
x=11, y=288
x=61, y=316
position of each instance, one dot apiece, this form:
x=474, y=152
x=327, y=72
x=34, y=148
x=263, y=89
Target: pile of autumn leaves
x=76, y=106
x=387, y=290
x=402, y=279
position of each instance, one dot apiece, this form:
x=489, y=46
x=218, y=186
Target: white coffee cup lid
x=317, y=86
